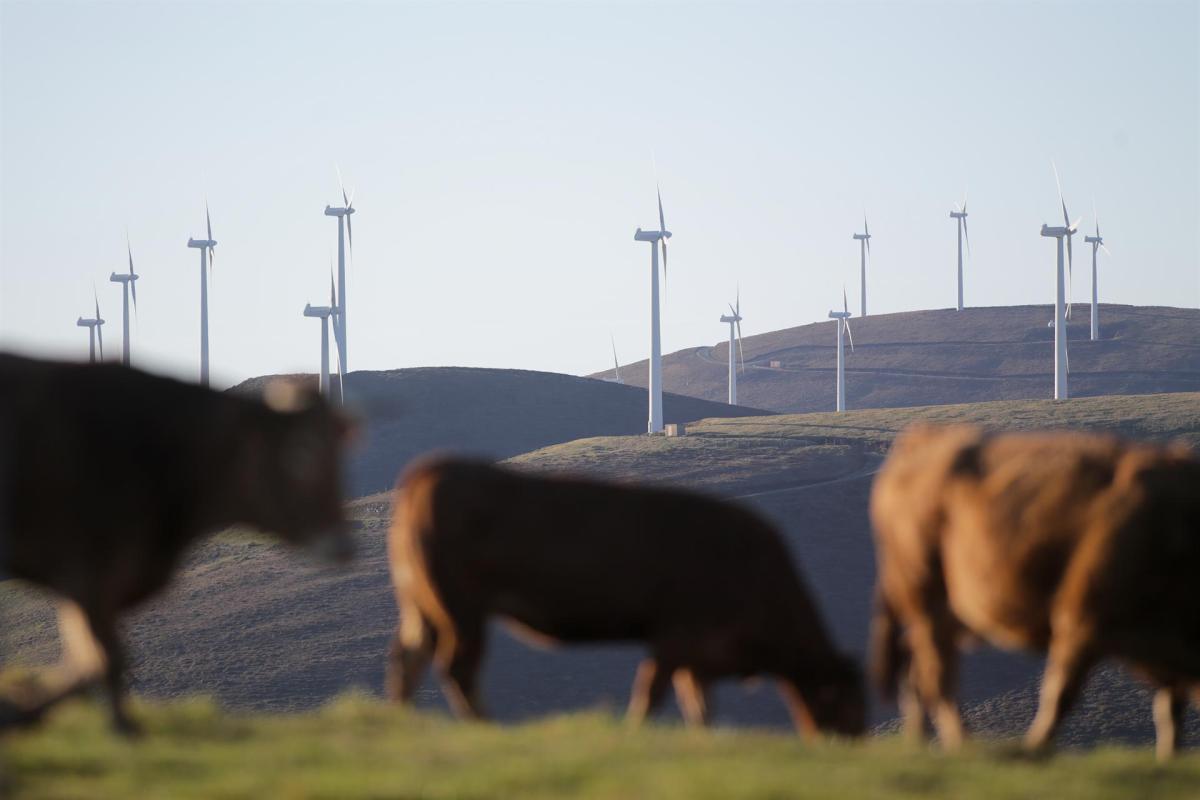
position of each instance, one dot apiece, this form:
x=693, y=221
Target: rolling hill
x=493, y=413
x=934, y=357
x=258, y=628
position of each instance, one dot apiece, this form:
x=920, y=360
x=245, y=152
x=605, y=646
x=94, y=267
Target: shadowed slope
x=930, y=357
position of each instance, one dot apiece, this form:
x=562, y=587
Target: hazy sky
x=502, y=157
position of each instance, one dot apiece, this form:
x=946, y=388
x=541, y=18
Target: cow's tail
x=889, y=655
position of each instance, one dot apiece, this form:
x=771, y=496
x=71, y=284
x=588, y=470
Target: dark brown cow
x=108, y=474
x=1081, y=546
x=708, y=586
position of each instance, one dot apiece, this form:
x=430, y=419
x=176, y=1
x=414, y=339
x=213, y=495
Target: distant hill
x=257, y=627
x=923, y=358
x=493, y=413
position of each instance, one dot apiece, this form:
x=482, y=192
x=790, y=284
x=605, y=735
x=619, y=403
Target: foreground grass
x=359, y=748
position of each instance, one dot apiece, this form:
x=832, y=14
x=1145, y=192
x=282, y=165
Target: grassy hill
x=358, y=749
x=258, y=628
x=494, y=413
x=931, y=357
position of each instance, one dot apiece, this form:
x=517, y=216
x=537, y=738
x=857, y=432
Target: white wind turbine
x=95, y=330
x=960, y=214
x=655, y=423
x=128, y=283
x=734, y=318
x=864, y=246
x=323, y=313
x=1061, y=306
x=207, y=254
x=843, y=324
x=1097, y=243
x=345, y=232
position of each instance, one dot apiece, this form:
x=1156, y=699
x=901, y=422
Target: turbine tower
x=128, y=283
x=345, y=232
x=734, y=318
x=1097, y=243
x=655, y=424
x=1060, y=306
x=207, y=253
x=864, y=246
x=323, y=313
x=960, y=214
x=95, y=330
x=843, y=324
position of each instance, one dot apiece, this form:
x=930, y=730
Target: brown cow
x=1081, y=546
x=708, y=586
x=108, y=474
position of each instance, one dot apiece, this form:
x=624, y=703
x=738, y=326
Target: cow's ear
x=286, y=396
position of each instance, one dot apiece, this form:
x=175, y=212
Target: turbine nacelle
x=644, y=236
x=88, y=323
x=727, y=318
x=1093, y=240
x=1057, y=232
x=862, y=236
x=317, y=311
x=123, y=277
x=330, y=211
x=201, y=243
x=839, y=315
x=958, y=214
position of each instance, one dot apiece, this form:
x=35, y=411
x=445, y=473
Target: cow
x=1080, y=546
x=109, y=474
x=708, y=586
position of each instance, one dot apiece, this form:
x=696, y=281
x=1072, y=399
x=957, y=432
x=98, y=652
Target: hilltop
x=259, y=628
x=923, y=358
x=491, y=413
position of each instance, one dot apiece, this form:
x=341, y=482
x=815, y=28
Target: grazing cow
x=108, y=474
x=708, y=586
x=1080, y=546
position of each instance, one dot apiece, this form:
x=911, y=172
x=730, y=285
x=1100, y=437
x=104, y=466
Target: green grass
x=360, y=748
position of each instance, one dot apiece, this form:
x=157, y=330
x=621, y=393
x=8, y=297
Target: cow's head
x=292, y=469
x=834, y=700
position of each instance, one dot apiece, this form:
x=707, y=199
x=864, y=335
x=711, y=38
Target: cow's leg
x=1169, y=704
x=935, y=675
x=912, y=712
x=458, y=655
x=411, y=651
x=693, y=702
x=1071, y=656
x=649, y=688
x=104, y=627
x=82, y=656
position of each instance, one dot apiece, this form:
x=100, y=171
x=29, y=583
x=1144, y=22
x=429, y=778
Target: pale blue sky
x=502, y=159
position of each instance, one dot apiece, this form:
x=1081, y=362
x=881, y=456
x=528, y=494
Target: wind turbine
x=345, y=231
x=616, y=364
x=1097, y=243
x=1067, y=230
x=734, y=318
x=207, y=254
x=843, y=324
x=864, y=247
x=128, y=283
x=323, y=313
x=960, y=214
x=655, y=424
x=95, y=330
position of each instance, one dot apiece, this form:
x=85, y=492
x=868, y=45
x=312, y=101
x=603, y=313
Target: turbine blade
x=662, y=222
x=849, y=334
x=208, y=220
x=350, y=233
x=741, y=352
x=332, y=293
x=341, y=184
x=957, y=208
x=966, y=236
x=964, y=204
x=1106, y=251
x=845, y=305
x=664, y=254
